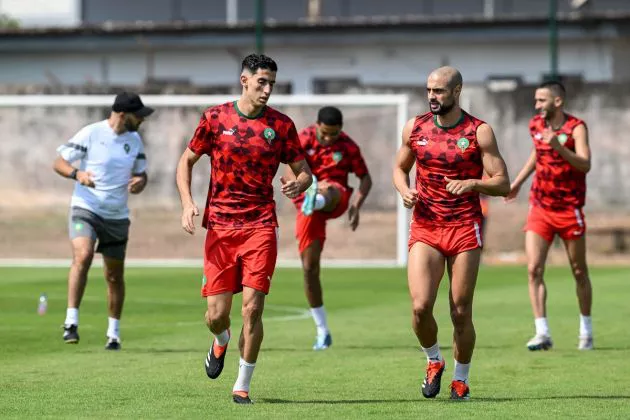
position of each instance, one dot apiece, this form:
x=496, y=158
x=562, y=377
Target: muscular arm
x=364, y=189
x=498, y=182
x=402, y=166
x=183, y=177
x=303, y=175
x=527, y=170
x=581, y=158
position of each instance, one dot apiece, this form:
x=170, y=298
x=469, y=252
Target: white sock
x=72, y=316
x=319, y=316
x=586, y=326
x=320, y=202
x=245, y=372
x=541, y=326
x=223, y=338
x=113, y=327
x=433, y=353
x=461, y=372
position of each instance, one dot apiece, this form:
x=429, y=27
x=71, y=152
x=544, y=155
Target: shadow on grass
x=446, y=401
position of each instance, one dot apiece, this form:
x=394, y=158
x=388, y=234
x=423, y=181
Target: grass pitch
x=374, y=368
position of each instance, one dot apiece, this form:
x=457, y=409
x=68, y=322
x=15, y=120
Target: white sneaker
x=585, y=343
x=540, y=342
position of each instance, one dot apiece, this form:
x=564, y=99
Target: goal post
x=390, y=122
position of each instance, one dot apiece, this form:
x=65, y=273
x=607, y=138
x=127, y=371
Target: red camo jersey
x=557, y=185
x=245, y=153
x=451, y=152
x=333, y=162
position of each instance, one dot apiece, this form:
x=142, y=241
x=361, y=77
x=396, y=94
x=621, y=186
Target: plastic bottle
x=43, y=304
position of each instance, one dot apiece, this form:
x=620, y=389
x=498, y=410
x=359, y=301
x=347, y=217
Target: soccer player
x=332, y=155
x=246, y=141
x=112, y=165
x=451, y=150
x=560, y=158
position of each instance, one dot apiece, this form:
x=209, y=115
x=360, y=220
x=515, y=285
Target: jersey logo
x=269, y=134
x=310, y=152
x=562, y=138
x=337, y=156
x=229, y=132
x=463, y=143
x=127, y=148
x=422, y=142
x=538, y=136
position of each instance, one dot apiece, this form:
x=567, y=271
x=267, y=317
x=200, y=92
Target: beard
x=131, y=126
x=442, y=109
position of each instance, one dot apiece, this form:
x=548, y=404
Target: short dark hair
x=556, y=88
x=330, y=115
x=253, y=62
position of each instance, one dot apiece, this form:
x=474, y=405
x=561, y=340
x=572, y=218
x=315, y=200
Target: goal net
x=34, y=200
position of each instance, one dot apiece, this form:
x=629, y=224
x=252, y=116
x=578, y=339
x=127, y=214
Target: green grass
x=374, y=368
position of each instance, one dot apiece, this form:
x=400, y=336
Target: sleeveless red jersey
x=245, y=153
x=557, y=185
x=445, y=151
x=333, y=162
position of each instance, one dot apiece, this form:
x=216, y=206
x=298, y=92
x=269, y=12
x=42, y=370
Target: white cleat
x=585, y=343
x=308, y=205
x=540, y=342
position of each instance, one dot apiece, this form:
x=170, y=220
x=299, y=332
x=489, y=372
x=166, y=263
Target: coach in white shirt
x=112, y=164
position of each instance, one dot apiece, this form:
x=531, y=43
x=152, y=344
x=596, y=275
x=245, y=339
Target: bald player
x=451, y=150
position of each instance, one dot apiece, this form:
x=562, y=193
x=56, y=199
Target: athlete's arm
x=365, y=185
x=137, y=182
x=303, y=179
x=65, y=169
x=497, y=182
x=522, y=176
x=183, y=177
x=581, y=158
x=402, y=166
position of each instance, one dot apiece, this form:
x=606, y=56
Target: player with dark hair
x=451, y=150
x=332, y=155
x=560, y=159
x=246, y=141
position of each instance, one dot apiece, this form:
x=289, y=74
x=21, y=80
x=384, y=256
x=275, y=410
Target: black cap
x=131, y=102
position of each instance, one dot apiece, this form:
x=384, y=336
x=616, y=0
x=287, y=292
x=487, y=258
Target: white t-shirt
x=113, y=159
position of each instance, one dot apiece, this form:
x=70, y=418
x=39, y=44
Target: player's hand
x=353, y=217
x=410, y=198
x=459, y=186
x=514, y=190
x=85, y=178
x=549, y=137
x=290, y=188
x=137, y=184
x=189, y=212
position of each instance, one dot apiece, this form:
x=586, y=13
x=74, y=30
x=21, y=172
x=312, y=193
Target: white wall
x=596, y=61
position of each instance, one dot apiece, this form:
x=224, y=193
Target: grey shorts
x=112, y=234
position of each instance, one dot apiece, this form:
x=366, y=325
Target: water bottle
x=43, y=304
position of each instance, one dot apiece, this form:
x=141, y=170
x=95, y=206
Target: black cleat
x=112, y=344
x=214, y=364
x=460, y=391
x=433, y=378
x=71, y=334
x=241, y=398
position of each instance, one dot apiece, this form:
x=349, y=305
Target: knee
x=579, y=272
x=82, y=259
x=215, y=316
x=310, y=267
x=252, y=312
x=422, y=309
x=461, y=315
x=535, y=272
x=114, y=278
